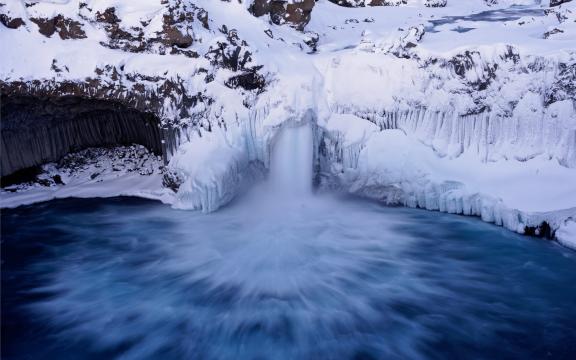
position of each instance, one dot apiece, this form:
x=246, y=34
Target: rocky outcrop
x=558, y=2
x=39, y=130
x=65, y=27
x=11, y=23
x=295, y=13
x=362, y=3
x=125, y=93
x=233, y=54
x=136, y=100
x=176, y=36
x=435, y=3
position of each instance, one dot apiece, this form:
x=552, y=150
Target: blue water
x=326, y=278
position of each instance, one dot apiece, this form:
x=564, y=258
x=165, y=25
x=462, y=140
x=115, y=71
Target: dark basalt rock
x=57, y=180
x=547, y=34
x=66, y=28
x=235, y=55
x=463, y=63
x=173, y=36
x=176, y=36
x=108, y=16
x=564, y=86
x=435, y=3
x=27, y=175
x=39, y=130
x=558, y=2
x=135, y=93
x=248, y=81
x=11, y=23
x=172, y=180
x=281, y=12
x=543, y=231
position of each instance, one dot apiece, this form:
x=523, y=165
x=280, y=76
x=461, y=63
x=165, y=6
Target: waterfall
x=292, y=160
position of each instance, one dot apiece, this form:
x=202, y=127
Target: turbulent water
x=323, y=278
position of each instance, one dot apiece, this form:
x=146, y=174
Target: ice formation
x=465, y=107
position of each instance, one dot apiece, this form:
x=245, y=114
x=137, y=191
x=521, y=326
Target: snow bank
x=212, y=169
x=566, y=234
x=399, y=169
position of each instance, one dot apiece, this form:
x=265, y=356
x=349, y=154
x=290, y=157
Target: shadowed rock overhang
x=36, y=130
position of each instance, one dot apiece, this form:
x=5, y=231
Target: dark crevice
x=544, y=230
x=39, y=130
x=26, y=175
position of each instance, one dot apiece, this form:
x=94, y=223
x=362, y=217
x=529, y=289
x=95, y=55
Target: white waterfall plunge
x=292, y=161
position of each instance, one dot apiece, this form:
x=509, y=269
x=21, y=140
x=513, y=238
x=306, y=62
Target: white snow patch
x=566, y=234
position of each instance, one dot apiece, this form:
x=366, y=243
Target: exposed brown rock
x=108, y=16
x=171, y=35
x=260, y=8
x=176, y=36
x=66, y=28
x=435, y=3
x=11, y=23
x=281, y=12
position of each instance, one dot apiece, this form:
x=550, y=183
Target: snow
x=398, y=121
x=213, y=170
x=517, y=183
x=354, y=129
x=149, y=187
x=566, y=234
x=94, y=172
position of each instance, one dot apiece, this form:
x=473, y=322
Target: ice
x=212, y=168
x=467, y=108
x=399, y=169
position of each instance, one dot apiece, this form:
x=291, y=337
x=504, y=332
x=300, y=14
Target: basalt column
x=38, y=130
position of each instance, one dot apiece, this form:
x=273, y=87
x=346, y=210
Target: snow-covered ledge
x=534, y=196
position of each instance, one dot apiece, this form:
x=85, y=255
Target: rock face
x=558, y=2
x=11, y=23
x=66, y=28
x=362, y=3
x=40, y=130
x=175, y=35
x=295, y=13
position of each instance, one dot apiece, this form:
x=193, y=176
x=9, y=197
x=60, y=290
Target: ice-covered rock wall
x=490, y=133
x=496, y=105
x=530, y=131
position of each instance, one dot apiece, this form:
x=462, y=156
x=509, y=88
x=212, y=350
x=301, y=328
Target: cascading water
x=291, y=161
x=279, y=274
